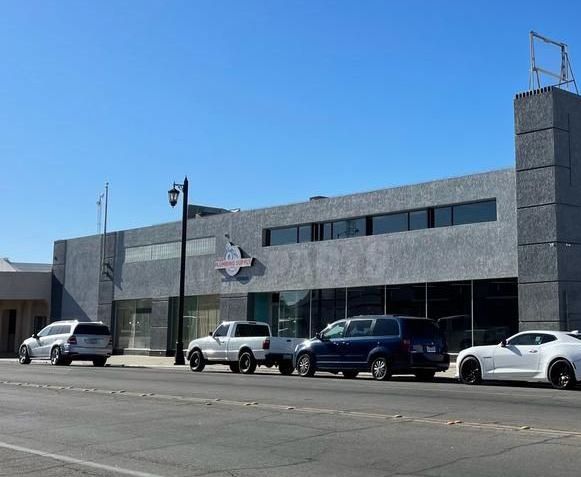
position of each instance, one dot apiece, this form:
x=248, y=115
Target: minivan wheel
x=380, y=369
x=23, y=356
x=350, y=374
x=306, y=366
x=247, y=363
x=425, y=375
x=561, y=375
x=56, y=356
x=197, y=363
x=470, y=372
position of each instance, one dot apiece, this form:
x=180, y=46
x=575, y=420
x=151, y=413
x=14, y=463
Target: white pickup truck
x=242, y=345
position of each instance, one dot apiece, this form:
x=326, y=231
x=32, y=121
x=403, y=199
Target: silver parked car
x=65, y=341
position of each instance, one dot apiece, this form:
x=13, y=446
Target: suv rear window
x=386, y=327
x=91, y=330
x=244, y=330
x=421, y=328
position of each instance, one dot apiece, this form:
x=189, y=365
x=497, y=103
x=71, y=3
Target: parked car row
x=382, y=345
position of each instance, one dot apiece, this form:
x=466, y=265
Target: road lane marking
x=81, y=462
x=555, y=433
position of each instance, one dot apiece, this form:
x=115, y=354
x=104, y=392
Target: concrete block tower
x=548, y=198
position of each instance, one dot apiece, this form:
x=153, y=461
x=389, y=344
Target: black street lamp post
x=173, y=200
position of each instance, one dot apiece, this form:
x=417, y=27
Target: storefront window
x=365, y=301
x=407, y=300
x=201, y=316
x=132, y=324
x=450, y=304
x=294, y=314
x=495, y=310
x=328, y=305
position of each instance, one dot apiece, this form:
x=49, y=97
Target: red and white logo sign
x=232, y=261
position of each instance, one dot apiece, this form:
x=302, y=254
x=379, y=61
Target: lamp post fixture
x=173, y=194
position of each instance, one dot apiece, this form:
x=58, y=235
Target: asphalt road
x=81, y=420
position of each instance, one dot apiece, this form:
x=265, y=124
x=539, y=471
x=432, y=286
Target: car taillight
x=266, y=344
x=406, y=346
x=72, y=340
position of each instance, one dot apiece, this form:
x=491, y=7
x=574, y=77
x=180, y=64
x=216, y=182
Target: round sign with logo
x=233, y=261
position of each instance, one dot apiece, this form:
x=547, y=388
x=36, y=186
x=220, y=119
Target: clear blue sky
x=258, y=102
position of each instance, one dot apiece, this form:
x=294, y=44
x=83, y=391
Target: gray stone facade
x=464, y=252
x=548, y=173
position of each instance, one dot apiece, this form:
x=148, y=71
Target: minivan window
x=335, y=331
x=244, y=330
x=222, y=330
x=422, y=328
x=386, y=327
x=92, y=330
x=358, y=328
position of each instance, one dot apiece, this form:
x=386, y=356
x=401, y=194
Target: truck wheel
x=286, y=368
x=197, y=362
x=247, y=363
x=234, y=367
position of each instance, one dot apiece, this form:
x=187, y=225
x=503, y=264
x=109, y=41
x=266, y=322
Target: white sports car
x=545, y=356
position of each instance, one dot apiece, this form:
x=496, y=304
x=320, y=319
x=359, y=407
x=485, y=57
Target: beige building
x=24, y=302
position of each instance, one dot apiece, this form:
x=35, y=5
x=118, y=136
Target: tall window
x=201, y=316
x=132, y=324
x=294, y=313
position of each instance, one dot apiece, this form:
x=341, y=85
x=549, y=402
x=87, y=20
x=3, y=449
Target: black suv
x=383, y=345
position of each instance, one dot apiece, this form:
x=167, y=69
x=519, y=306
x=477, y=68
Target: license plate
x=430, y=349
x=91, y=341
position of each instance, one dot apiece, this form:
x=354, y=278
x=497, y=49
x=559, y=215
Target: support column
x=548, y=189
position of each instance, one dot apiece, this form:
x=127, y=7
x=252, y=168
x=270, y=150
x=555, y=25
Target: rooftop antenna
x=99, y=211
x=565, y=76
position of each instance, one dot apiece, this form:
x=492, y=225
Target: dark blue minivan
x=383, y=345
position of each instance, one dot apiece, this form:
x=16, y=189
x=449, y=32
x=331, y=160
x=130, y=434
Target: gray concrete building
x=486, y=254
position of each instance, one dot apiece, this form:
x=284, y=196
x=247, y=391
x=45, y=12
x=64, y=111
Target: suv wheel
x=23, y=356
x=99, y=362
x=470, y=372
x=247, y=363
x=197, y=362
x=234, y=367
x=380, y=369
x=56, y=356
x=306, y=365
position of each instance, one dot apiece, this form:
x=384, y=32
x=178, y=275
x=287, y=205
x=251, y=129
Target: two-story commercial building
x=486, y=254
